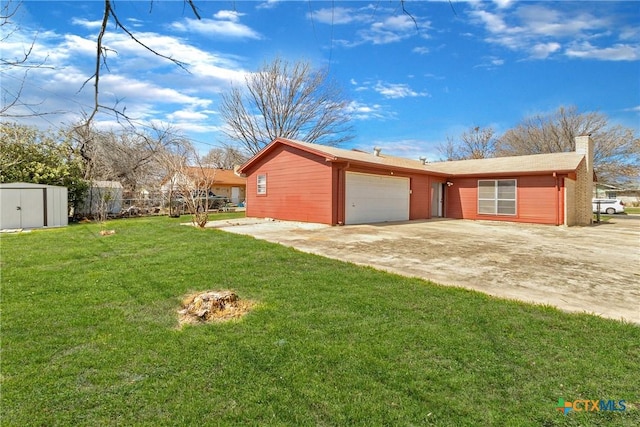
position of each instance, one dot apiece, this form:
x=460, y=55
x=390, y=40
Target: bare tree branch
x=12, y=99
x=476, y=143
x=616, y=148
x=101, y=55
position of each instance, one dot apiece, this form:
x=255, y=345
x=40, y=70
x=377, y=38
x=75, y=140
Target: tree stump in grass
x=212, y=306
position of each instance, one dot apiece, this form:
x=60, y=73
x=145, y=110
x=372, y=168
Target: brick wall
x=584, y=181
x=569, y=202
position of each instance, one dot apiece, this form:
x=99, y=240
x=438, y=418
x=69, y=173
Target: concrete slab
x=592, y=269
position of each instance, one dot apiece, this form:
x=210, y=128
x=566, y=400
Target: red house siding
x=420, y=199
x=307, y=182
x=299, y=187
x=538, y=200
x=461, y=199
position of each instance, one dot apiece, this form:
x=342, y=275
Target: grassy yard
x=632, y=210
x=89, y=337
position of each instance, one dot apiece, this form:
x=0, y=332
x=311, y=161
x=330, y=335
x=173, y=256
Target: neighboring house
x=26, y=205
x=629, y=195
x=102, y=198
x=299, y=181
x=222, y=182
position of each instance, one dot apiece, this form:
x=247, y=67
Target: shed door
x=22, y=208
x=375, y=198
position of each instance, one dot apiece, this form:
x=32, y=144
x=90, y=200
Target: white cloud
x=503, y=4
x=183, y=115
x=421, y=50
x=335, y=16
x=226, y=25
x=396, y=90
x=269, y=4
x=229, y=15
x=490, y=63
x=629, y=33
x=540, y=30
x=134, y=22
x=90, y=25
x=146, y=85
x=617, y=52
x=549, y=22
x=494, y=23
x=394, y=27
x=130, y=88
x=390, y=30
x=543, y=50
x=360, y=111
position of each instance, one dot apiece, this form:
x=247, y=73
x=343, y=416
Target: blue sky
x=461, y=64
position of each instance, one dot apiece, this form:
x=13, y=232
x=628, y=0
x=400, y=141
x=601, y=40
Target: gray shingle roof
x=536, y=163
x=360, y=156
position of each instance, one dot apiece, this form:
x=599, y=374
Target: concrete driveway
x=592, y=269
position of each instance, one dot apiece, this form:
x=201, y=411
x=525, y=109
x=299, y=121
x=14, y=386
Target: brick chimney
x=584, y=146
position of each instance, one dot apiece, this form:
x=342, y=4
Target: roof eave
x=394, y=168
x=512, y=173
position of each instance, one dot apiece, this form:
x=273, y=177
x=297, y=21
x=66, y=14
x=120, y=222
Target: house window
x=262, y=184
x=497, y=196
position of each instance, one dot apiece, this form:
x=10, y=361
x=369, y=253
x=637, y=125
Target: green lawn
x=89, y=337
x=632, y=210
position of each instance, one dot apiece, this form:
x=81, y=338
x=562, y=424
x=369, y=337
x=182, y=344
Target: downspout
x=341, y=196
x=557, y=199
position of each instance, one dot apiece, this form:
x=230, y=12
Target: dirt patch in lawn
x=212, y=306
x=593, y=269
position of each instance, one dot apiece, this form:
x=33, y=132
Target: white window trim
x=495, y=198
x=261, y=187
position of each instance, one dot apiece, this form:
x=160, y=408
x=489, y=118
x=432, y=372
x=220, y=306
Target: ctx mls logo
x=590, y=405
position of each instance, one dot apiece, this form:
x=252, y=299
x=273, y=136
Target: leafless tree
x=224, y=158
x=188, y=186
x=286, y=100
x=476, y=143
x=174, y=159
x=616, y=148
x=130, y=156
x=449, y=150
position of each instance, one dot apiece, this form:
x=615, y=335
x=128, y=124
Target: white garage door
x=375, y=198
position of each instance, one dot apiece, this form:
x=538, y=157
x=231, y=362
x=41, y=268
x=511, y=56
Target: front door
x=437, y=199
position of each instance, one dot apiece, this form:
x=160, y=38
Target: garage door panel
x=376, y=198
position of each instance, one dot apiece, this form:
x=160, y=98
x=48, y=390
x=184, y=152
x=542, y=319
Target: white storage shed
x=102, y=197
x=25, y=205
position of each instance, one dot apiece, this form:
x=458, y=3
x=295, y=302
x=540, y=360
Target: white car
x=608, y=206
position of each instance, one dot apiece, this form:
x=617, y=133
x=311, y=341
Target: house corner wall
x=584, y=181
x=569, y=202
